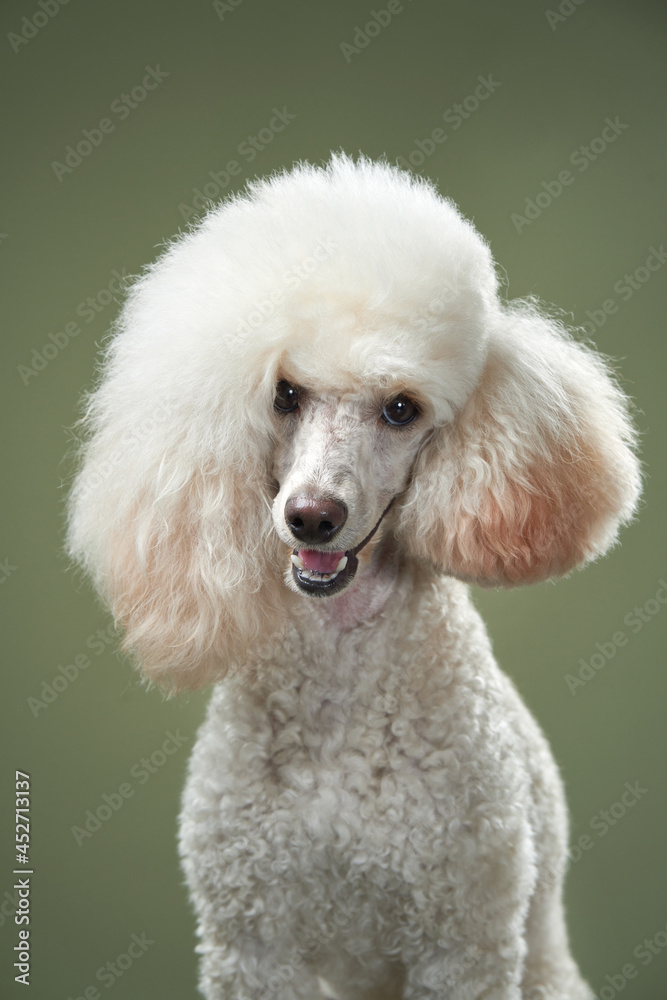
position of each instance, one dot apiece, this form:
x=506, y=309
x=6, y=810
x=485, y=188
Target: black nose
x=314, y=520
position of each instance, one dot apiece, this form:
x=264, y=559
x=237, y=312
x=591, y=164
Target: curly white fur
x=370, y=806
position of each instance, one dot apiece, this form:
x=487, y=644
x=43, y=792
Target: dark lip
x=327, y=588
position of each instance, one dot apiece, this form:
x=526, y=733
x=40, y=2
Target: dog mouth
x=322, y=573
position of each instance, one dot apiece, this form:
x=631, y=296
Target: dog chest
x=304, y=783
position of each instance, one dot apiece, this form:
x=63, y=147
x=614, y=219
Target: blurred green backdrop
x=554, y=75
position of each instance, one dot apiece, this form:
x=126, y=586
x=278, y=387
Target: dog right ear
x=537, y=473
x=181, y=547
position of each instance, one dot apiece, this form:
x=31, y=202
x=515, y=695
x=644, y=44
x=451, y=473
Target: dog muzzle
x=322, y=574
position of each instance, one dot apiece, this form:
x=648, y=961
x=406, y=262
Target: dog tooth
x=342, y=563
x=314, y=574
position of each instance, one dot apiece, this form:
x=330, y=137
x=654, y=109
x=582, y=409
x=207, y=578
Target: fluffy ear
x=536, y=474
x=174, y=528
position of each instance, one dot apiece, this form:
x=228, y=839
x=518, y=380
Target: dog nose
x=315, y=520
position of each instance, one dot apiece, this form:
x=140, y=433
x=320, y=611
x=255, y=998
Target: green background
x=62, y=239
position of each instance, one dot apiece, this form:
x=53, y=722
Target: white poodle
x=316, y=419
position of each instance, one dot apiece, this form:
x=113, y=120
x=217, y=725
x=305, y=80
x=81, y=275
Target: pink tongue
x=321, y=562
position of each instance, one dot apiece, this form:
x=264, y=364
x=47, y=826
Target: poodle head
x=322, y=365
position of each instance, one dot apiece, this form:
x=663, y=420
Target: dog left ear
x=537, y=472
x=181, y=549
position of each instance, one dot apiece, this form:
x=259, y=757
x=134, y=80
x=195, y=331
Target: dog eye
x=287, y=397
x=399, y=411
